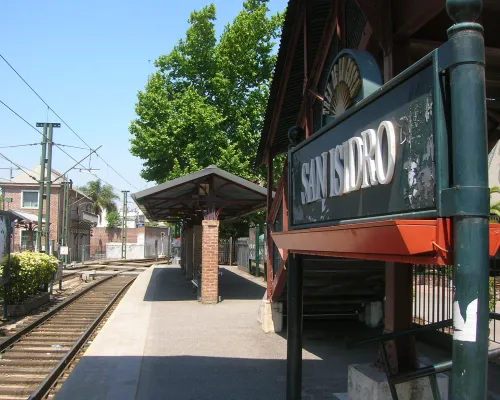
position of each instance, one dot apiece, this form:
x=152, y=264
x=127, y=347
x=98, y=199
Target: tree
x=113, y=219
x=494, y=207
x=102, y=196
x=205, y=104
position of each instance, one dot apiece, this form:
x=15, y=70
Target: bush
x=493, y=294
x=114, y=219
x=28, y=272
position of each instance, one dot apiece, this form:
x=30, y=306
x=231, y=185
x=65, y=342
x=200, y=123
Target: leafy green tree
x=113, y=219
x=102, y=196
x=494, y=206
x=205, y=104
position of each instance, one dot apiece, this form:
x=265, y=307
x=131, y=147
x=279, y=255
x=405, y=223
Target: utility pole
x=51, y=127
x=39, y=233
x=45, y=159
x=124, y=225
x=64, y=239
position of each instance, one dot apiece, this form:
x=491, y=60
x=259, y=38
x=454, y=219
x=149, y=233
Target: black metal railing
x=433, y=297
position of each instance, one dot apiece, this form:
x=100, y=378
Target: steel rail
x=5, y=344
x=51, y=378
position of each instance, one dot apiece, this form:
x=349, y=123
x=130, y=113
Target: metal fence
x=245, y=251
x=433, y=297
x=242, y=252
x=227, y=251
x=432, y=294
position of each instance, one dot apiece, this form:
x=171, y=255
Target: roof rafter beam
x=283, y=84
x=409, y=16
x=429, y=45
x=319, y=61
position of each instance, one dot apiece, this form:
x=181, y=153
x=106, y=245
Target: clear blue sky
x=87, y=60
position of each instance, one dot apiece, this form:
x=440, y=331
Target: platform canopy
x=25, y=219
x=211, y=193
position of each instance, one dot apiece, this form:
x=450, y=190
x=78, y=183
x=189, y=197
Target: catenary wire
x=24, y=169
x=55, y=144
x=62, y=120
x=19, y=145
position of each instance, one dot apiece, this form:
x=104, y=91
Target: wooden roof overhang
x=211, y=193
x=397, y=33
x=408, y=241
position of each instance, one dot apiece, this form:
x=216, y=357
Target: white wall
x=134, y=251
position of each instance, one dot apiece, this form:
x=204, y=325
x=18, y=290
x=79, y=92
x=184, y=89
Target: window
x=30, y=199
x=25, y=236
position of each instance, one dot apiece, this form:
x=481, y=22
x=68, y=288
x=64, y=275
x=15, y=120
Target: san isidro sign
x=376, y=160
x=360, y=162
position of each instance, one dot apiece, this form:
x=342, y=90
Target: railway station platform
x=160, y=343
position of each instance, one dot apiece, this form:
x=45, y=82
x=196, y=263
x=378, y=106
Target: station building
x=334, y=54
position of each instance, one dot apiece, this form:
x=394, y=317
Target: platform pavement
x=160, y=343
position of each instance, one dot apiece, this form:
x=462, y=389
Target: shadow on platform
x=193, y=377
x=170, y=284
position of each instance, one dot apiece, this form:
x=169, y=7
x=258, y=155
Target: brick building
x=22, y=194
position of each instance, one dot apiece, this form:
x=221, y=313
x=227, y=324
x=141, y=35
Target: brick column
x=210, y=262
x=189, y=253
x=198, y=233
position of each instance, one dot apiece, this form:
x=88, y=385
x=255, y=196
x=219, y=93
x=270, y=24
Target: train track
x=34, y=358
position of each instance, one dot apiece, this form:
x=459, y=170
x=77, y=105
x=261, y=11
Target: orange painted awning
x=410, y=241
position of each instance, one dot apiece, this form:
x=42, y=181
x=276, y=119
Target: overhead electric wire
x=120, y=175
x=19, y=116
x=73, y=147
x=24, y=169
x=43, y=101
x=64, y=122
x=19, y=145
x=55, y=144
x=85, y=168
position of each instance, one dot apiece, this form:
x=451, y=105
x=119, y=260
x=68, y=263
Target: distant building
x=21, y=194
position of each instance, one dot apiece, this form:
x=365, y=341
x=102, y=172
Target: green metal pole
x=257, y=249
x=49, y=187
x=124, y=225
x=294, y=328
x=471, y=220
x=65, y=218
x=39, y=233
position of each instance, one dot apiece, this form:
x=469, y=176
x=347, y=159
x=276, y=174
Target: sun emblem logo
x=342, y=87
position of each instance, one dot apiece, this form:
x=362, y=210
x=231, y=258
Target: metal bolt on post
x=470, y=177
